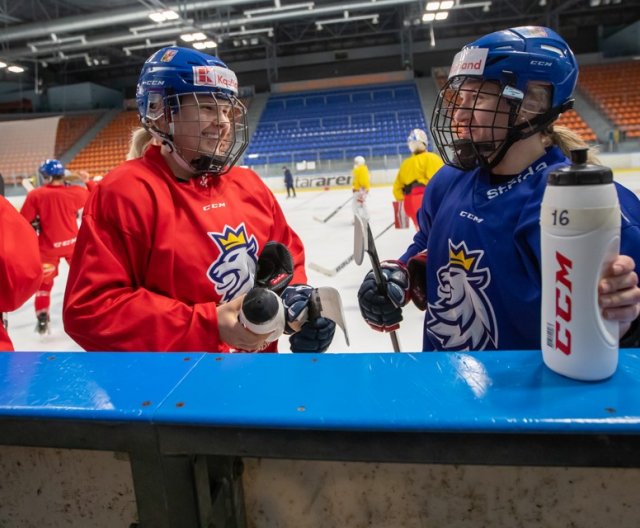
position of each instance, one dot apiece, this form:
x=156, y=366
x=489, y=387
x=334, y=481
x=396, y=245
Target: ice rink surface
x=327, y=244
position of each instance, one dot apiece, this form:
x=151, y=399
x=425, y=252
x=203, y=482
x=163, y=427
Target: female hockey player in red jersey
x=494, y=125
x=171, y=238
x=53, y=210
x=20, y=269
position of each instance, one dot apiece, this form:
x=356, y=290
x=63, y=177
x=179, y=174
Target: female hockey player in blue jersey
x=494, y=125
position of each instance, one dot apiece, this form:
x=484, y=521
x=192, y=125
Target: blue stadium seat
x=337, y=124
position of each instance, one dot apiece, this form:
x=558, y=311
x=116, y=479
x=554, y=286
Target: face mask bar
x=471, y=122
x=207, y=131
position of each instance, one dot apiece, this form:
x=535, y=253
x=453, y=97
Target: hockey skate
x=42, y=327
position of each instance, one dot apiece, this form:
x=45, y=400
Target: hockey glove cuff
x=417, y=268
x=274, y=270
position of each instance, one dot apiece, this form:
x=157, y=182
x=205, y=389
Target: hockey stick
x=333, y=213
x=363, y=242
x=330, y=272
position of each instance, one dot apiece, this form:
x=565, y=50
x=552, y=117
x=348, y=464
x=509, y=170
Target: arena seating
x=572, y=120
x=71, y=128
x=613, y=89
x=336, y=124
x=108, y=148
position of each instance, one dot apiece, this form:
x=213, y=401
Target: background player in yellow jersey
x=361, y=185
x=414, y=174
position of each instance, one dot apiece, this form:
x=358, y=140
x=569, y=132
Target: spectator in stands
x=494, y=125
x=170, y=239
x=1, y=185
x=414, y=174
x=288, y=182
x=20, y=269
x=53, y=210
x=361, y=185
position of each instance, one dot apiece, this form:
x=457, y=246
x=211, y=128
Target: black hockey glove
x=316, y=334
x=274, y=270
x=383, y=311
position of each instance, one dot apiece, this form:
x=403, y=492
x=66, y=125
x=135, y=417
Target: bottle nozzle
x=579, y=156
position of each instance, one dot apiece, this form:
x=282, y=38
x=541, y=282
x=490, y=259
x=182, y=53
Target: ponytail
x=568, y=140
x=141, y=138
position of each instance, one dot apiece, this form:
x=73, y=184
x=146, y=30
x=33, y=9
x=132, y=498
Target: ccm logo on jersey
x=219, y=205
x=563, y=303
x=65, y=243
x=471, y=216
x=216, y=77
x=540, y=63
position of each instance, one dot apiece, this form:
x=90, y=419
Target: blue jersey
x=483, y=265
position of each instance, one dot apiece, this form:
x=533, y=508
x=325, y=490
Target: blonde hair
x=538, y=100
x=569, y=140
x=140, y=139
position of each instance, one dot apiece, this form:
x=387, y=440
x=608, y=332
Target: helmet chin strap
x=522, y=131
x=167, y=139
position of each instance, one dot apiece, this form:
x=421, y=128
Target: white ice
x=326, y=244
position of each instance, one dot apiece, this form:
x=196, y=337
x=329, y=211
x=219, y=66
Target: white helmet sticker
x=216, y=77
x=470, y=61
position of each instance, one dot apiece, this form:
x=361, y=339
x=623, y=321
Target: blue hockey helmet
x=173, y=73
x=51, y=168
x=512, y=58
x=517, y=56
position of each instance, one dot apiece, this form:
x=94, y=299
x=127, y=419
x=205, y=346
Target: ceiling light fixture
x=193, y=37
x=161, y=16
x=207, y=44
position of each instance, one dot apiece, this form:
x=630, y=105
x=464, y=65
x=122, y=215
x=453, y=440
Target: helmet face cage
x=468, y=130
x=208, y=130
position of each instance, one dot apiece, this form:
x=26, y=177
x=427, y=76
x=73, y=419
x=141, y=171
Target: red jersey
x=156, y=255
x=20, y=269
x=57, y=207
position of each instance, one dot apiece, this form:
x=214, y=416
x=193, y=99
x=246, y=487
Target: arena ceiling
x=80, y=40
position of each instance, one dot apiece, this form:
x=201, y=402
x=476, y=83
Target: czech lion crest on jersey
x=233, y=271
x=463, y=318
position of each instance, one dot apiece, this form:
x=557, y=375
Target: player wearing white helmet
x=361, y=185
x=171, y=239
x=414, y=174
x=494, y=124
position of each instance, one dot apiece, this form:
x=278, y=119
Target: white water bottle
x=580, y=236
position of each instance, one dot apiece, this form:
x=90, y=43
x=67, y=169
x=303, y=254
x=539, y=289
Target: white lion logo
x=462, y=318
x=233, y=271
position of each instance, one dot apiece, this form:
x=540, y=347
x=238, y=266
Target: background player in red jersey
x=170, y=239
x=53, y=210
x=20, y=269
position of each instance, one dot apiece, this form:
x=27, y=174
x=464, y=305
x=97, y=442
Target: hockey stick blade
x=326, y=302
x=330, y=272
x=364, y=242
